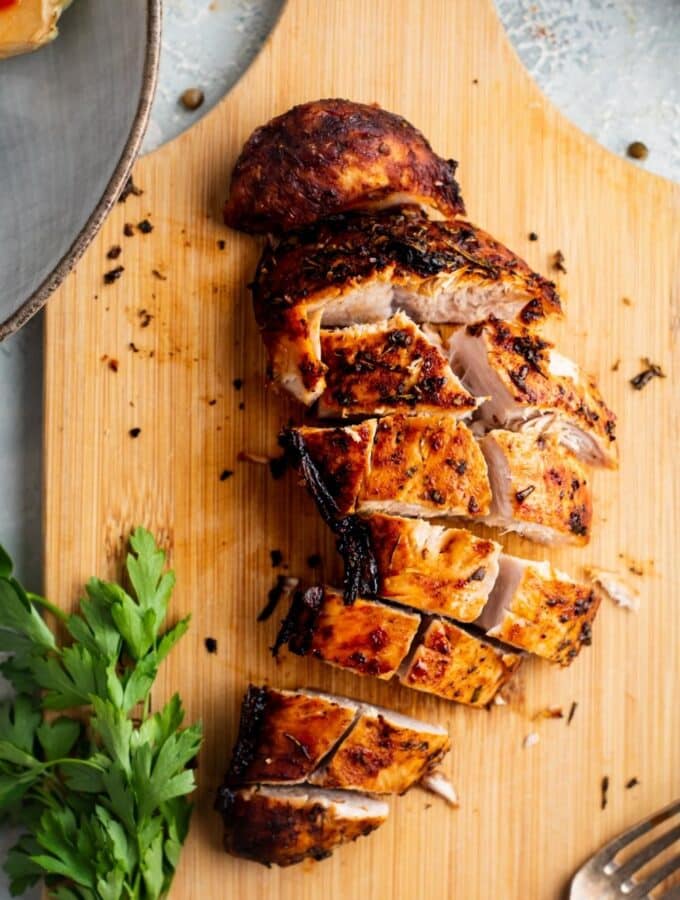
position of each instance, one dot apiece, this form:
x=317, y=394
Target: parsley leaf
x=101, y=790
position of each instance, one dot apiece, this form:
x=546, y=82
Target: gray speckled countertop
x=611, y=66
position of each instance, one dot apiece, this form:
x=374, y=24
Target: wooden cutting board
x=161, y=348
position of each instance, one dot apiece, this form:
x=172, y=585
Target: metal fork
x=602, y=878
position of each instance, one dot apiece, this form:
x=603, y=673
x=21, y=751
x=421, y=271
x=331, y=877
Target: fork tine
x=606, y=854
x=654, y=848
x=641, y=891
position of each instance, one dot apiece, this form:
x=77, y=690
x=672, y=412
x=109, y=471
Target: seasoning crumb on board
x=631, y=783
x=604, y=788
x=192, y=98
x=210, y=644
x=533, y=236
x=238, y=383
x=113, y=274
x=135, y=432
x=221, y=244
x=612, y=587
x=145, y=318
x=113, y=365
x=651, y=370
x=284, y=587
x=114, y=252
x=572, y=710
x=558, y=262
x=132, y=346
x=637, y=150
x=145, y=226
x=128, y=229
x=626, y=301
x=225, y=473
x=159, y=275
x=531, y=740
x=276, y=558
x=616, y=366
x=129, y=188
x=549, y=712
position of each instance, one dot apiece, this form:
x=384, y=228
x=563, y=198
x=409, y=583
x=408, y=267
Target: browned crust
x=457, y=665
x=342, y=457
x=333, y=155
x=551, y=617
x=450, y=582
x=548, y=485
x=284, y=831
x=379, y=756
x=367, y=638
x=283, y=736
x=388, y=367
x=520, y=358
x=298, y=275
x=431, y=461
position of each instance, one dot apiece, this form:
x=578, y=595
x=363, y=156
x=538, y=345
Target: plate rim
x=35, y=301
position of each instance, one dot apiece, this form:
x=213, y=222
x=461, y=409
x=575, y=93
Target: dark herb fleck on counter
x=225, y=473
x=221, y=244
x=145, y=226
x=145, y=318
x=572, y=710
x=210, y=644
x=128, y=230
x=114, y=252
x=278, y=466
x=134, y=432
x=604, y=788
x=276, y=557
x=558, y=262
x=285, y=585
x=533, y=236
x=238, y=383
x=616, y=366
x=113, y=274
x=129, y=188
x=631, y=783
x=113, y=365
x=159, y=275
x=651, y=370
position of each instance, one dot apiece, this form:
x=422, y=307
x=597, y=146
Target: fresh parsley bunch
x=101, y=791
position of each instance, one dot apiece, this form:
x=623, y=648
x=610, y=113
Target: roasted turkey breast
x=539, y=488
x=457, y=665
x=283, y=825
x=540, y=609
x=284, y=735
x=362, y=269
x=529, y=385
x=388, y=366
x=329, y=156
x=366, y=637
x=384, y=753
x=432, y=568
x=441, y=659
x=419, y=465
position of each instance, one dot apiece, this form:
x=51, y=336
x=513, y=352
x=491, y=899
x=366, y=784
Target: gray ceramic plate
x=72, y=117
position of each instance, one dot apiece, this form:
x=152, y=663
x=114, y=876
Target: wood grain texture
x=528, y=817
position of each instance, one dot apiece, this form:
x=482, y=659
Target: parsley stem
x=50, y=607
